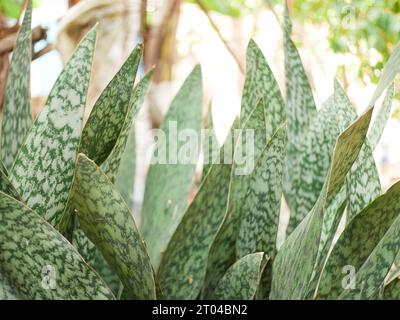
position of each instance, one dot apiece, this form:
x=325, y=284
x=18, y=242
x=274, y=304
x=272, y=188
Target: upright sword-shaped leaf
x=38, y=262
x=17, y=116
x=43, y=170
x=168, y=184
x=108, y=223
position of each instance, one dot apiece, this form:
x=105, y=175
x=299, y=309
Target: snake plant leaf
x=112, y=163
x=242, y=279
x=183, y=266
x=43, y=170
x=363, y=183
x=315, y=158
x=377, y=219
x=168, y=184
x=109, y=112
x=223, y=250
x=125, y=179
x=301, y=111
x=295, y=261
x=370, y=278
x=7, y=291
x=382, y=116
x=389, y=73
x=39, y=262
x=392, y=290
x=108, y=223
x=260, y=83
x=260, y=215
x=17, y=116
x=6, y=186
x=211, y=145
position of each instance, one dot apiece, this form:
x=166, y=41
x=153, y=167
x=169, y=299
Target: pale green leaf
x=17, y=117
x=170, y=179
x=294, y=264
x=43, y=171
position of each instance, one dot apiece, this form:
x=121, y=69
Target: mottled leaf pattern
x=376, y=218
x=43, y=171
x=313, y=162
x=183, y=265
x=223, y=250
x=363, y=184
x=108, y=223
x=168, y=185
x=7, y=187
x=392, y=290
x=242, y=279
x=109, y=112
x=260, y=215
x=301, y=111
x=17, y=117
x=294, y=263
x=32, y=251
x=382, y=116
x=112, y=163
x=370, y=277
x=260, y=83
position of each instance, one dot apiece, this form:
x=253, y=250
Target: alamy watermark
x=183, y=146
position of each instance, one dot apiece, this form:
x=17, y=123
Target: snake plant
x=66, y=216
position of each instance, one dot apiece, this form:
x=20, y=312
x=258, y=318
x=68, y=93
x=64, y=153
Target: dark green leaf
x=108, y=223
x=38, y=262
x=109, y=112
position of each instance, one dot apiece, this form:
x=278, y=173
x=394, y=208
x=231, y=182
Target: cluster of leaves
x=66, y=224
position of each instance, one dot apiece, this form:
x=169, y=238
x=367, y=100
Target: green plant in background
x=66, y=224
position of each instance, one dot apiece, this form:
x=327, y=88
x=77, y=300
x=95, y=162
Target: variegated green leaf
x=169, y=180
x=260, y=214
x=38, y=262
x=392, y=290
x=260, y=83
x=125, y=179
x=108, y=223
x=112, y=163
x=17, y=116
x=376, y=218
x=242, y=279
x=313, y=162
x=7, y=187
x=7, y=292
x=106, y=120
x=183, y=265
x=295, y=261
x=382, y=116
x=43, y=171
x=247, y=151
x=210, y=145
x=363, y=184
x=301, y=111
x=370, y=277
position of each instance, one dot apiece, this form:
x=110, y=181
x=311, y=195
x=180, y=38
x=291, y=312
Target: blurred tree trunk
x=160, y=51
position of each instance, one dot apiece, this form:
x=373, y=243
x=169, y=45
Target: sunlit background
x=349, y=40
